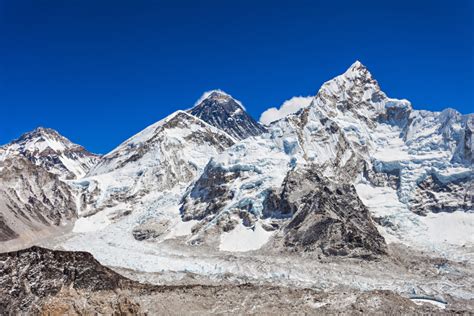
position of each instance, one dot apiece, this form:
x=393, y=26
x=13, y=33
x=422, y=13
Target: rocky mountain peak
x=216, y=101
x=358, y=69
x=46, y=147
x=43, y=139
x=41, y=134
x=359, y=74
x=221, y=110
x=40, y=130
x=220, y=97
x=353, y=91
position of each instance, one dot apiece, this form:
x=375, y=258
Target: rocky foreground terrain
x=39, y=281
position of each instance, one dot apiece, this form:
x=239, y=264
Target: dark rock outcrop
x=209, y=194
x=222, y=111
x=30, y=275
x=434, y=195
x=465, y=149
x=6, y=232
x=325, y=217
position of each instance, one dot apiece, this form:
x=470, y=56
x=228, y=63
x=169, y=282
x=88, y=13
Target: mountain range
x=355, y=177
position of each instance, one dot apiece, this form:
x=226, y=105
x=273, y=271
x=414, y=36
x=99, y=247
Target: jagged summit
x=221, y=110
x=41, y=138
x=44, y=134
x=219, y=96
x=357, y=70
x=46, y=147
x=216, y=101
x=40, y=130
x=355, y=90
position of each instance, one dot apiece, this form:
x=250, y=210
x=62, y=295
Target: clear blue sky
x=99, y=71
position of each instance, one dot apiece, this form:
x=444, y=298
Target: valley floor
x=243, y=299
x=404, y=272
x=407, y=282
x=171, y=260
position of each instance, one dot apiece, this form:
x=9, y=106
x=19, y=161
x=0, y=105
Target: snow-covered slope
x=224, y=112
x=147, y=173
x=47, y=148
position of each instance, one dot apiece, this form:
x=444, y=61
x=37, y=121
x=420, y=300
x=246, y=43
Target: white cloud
x=290, y=106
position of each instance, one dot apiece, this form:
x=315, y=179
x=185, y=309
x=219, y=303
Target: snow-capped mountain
x=35, y=198
x=34, y=203
x=47, y=148
x=224, y=112
x=349, y=175
x=355, y=191
x=401, y=161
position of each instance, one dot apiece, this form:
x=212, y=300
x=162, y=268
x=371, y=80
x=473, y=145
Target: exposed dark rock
x=465, y=149
x=209, y=194
x=29, y=275
x=296, y=190
x=144, y=234
x=434, y=195
x=223, y=112
x=389, y=178
x=325, y=217
x=396, y=115
x=6, y=233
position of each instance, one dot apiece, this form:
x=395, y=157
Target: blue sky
x=99, y=71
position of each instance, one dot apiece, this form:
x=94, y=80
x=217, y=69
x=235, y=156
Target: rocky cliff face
x=308, y=212
x=28, y=277
x=33, y=201
x=323, y=217
x=435, y=194
x=465, y=147
x=35, y=198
